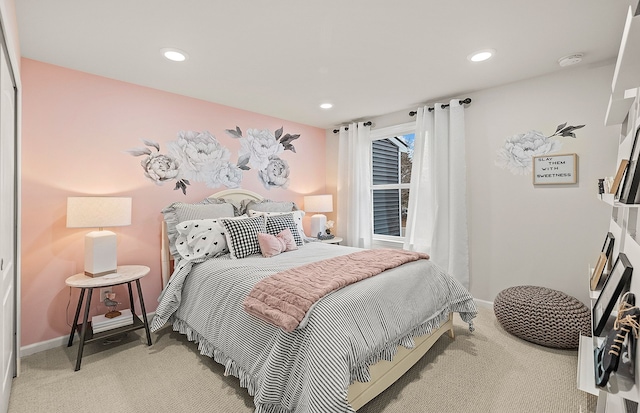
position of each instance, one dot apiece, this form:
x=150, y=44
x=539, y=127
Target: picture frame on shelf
x=622, y=168
x=597, y=271
x=629, y=193
x=607, y=248
x=616, y=282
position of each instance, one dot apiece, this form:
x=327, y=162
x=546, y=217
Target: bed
x=351, y=345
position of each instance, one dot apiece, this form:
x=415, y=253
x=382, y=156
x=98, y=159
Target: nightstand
x=334, y=240
x=126, y=274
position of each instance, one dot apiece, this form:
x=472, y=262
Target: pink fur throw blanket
x=284, y=298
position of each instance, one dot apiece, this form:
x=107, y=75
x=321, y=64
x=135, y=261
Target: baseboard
x=55, y=342
x=483, y=303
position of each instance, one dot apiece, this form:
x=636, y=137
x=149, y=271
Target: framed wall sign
x=555, y=169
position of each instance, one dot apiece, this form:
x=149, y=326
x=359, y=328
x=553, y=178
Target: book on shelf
x=102, y=323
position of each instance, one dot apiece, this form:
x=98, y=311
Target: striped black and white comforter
x=309, y=369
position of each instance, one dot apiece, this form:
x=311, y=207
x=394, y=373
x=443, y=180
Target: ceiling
x=284, y=57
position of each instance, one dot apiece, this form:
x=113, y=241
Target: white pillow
x=297, y=218
x=201, y=238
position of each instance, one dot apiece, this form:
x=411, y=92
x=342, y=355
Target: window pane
x=385, y=162
x=404, y=207
x=406, y=158
x=386, y=212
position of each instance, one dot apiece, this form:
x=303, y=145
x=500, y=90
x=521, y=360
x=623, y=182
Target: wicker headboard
x=235, y=196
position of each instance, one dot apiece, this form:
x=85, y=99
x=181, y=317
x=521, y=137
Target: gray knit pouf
x=543, y=316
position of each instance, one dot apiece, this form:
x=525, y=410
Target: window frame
x=379, y=134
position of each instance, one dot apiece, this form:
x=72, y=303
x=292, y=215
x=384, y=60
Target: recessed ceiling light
x=326, y=105
x=174, y=54
x=481, y=55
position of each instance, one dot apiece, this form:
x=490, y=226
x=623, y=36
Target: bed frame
x=384, y=373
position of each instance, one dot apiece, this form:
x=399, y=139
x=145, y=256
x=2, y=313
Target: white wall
x=521, y=234
x=543, y=235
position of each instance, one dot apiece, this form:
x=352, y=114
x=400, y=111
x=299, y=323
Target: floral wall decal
x=199, y=157
x=203, y=159
x=518, y=149
x=260, y=149
x=158, y=167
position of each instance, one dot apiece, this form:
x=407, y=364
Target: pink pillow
x=271, y=245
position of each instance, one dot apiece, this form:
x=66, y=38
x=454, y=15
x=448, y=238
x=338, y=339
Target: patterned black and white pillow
x=177, y=212
x=242, y=235
x=277, y=223
x=297, y=217
x=201, y=239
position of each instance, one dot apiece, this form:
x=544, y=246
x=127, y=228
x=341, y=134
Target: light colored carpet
x=485, y=371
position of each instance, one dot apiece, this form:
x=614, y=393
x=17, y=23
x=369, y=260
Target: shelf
x=626, y=76
x=609, y=199
x=586, y=379
x=618, y=384
x=91, y=337
x=618, y=107
x=627, y=71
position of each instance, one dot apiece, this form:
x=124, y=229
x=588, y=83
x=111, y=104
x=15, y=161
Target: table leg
x=144, y=312
x=74, y=326
x=83, y=333
x=131, y=297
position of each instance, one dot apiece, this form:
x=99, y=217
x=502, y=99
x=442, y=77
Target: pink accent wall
x=76, y=128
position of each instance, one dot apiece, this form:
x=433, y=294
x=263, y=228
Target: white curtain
x=437, y=210
x=354, y=186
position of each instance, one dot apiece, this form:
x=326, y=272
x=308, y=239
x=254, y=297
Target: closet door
x=8, y=245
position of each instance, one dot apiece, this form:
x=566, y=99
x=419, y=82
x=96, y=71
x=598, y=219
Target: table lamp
x=100, y=247
x=318, y=203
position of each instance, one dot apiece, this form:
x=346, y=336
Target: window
x=391, y=161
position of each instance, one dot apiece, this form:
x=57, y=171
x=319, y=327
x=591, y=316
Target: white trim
x=43, y=345
x=392, y=131
x=483, y=303
x=56, y=342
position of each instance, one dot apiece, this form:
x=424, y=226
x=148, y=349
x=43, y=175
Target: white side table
x=126, y=274
x=334, y=240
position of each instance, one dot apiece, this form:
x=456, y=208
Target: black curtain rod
x=446, y=105
x=347, y=128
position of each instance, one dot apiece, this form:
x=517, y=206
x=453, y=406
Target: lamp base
x=318, y=222
x=100, y=253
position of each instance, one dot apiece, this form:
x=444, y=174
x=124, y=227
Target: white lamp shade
x=98, y=212
x=100, y=247
x=318, y=203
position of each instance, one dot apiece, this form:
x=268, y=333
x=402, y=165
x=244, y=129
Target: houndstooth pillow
x=276, y=223
x=297, y=218
x=242, y=235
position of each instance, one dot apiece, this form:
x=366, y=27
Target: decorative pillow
x=242, y=235
x=210, y=208
x=271, y=245
x=266, y=205
x=297, y=218
x=201, y=238
x=277, y=223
